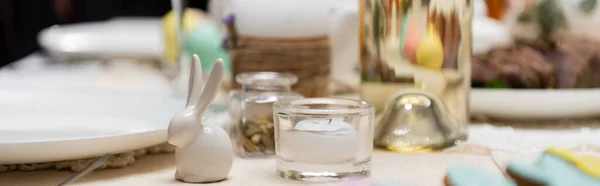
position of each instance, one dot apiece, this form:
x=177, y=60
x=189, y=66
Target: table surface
x=410, y=169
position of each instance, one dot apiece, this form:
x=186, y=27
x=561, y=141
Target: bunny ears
x=201, y=93
x=185, y=126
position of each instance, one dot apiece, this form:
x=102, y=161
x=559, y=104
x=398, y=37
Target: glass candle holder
x=323, y=139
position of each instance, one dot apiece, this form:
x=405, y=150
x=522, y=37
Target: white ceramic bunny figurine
x=204, y=152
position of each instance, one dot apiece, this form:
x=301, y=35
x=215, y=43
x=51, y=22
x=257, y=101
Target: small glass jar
x=323, y=139
x=251, y=111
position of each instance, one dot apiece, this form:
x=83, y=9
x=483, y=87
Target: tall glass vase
x=178, y=7
x=422, y=45
x=182, y=57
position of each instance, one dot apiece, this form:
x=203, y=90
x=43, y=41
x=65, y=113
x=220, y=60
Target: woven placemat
x=114, y=161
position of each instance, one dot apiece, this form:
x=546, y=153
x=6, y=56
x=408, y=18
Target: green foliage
x=496, y=84
x=527, y=17
x=550, y=18
x=587, y=6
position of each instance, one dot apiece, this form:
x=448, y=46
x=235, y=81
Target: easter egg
x=412, y=39
x=205, y=40
x=201, y=35
x=430, y=52
x=585, y=163
x=191, y=19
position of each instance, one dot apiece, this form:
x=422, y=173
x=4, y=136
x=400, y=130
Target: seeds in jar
x=258, y=134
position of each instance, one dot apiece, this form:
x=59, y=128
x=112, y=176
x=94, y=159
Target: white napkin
x=512, y=139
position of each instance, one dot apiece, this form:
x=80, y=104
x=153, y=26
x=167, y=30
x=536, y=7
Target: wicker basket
x=307, y=58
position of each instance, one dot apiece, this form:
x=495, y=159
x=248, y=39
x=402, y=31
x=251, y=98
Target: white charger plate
x=55, y=126
x=136, y=37
x=536, y=104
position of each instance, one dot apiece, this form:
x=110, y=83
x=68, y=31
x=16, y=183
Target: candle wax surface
x=325, y=126
x=319, y=141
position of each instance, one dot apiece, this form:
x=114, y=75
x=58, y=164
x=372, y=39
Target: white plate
x=55, y=126
x=120, y=37
x=536, y=104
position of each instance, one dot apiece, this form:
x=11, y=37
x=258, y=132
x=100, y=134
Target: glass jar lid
x=266, y=78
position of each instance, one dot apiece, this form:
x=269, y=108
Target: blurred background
x=22, y=20
x=139, y=46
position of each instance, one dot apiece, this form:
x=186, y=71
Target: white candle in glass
x=319, y=141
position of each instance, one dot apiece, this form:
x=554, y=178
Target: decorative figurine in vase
x=422, y=45
x=204, y=152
